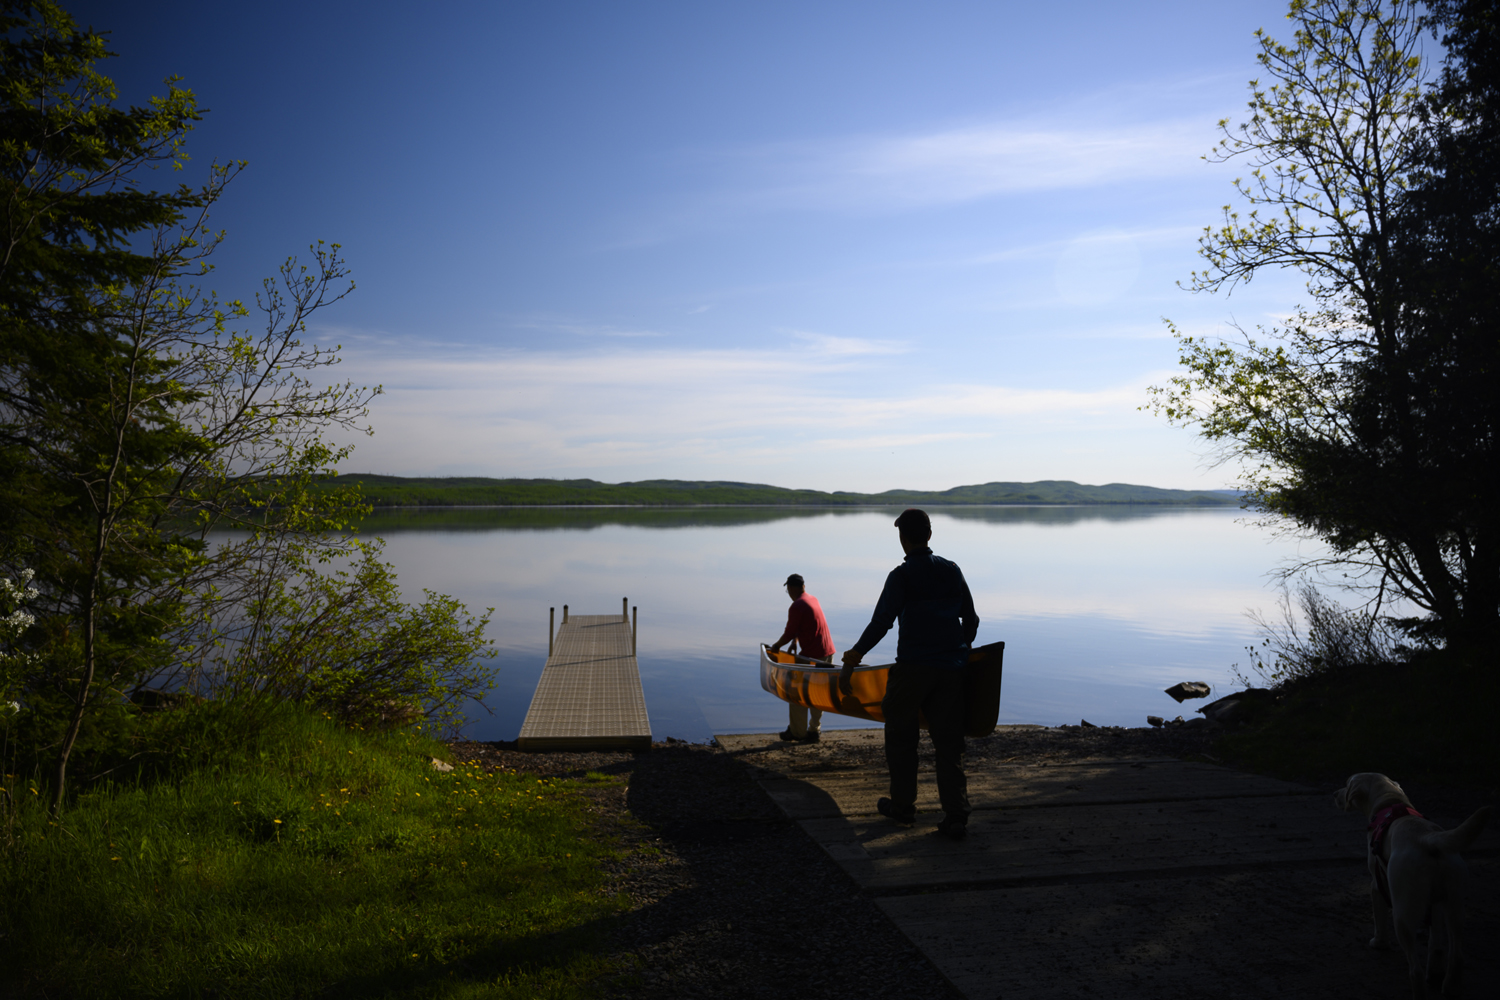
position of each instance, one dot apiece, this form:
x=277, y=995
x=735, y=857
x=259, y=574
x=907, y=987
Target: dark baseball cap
x=914, y=522
x=794, y=578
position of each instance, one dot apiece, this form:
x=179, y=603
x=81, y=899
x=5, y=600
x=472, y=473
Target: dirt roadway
x=734, y=899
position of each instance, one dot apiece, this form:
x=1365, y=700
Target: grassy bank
x=307, y=860
x=395, y=491
x=1430, y=720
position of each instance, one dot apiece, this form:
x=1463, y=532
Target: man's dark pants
x=939, y=692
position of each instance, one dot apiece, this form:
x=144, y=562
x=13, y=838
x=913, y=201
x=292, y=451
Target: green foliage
x=1330, y=142
x=343, y=641
x=1428, y=719
x=1318, y=635
x=393, y=491
x=302, y=859
x=67, y=155
x=1427, y=408
x=133, y=418
x=1368, y=420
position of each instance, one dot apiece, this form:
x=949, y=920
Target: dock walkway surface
x=589, y=695
x=1151, y=877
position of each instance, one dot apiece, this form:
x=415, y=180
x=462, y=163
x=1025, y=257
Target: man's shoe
x=786, y=734
x=813, y=736
x=888, y=809
x=954, y=827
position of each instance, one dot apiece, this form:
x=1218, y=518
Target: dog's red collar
x=1381, y=822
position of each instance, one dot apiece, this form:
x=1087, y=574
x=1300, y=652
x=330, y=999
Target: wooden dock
x=589, y=695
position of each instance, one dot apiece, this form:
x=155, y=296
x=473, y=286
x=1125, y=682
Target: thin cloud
x=1001, y=159
x=882, y=441
x=586, y=329
x=959, y=165
x=542, y=411
x=922, y=169
x=825, y=344
x=1145, y=236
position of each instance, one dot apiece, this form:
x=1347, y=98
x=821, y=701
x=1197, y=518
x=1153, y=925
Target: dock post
x=565, y=614
x=551, y=625
x=635, y=619
x=624, y=609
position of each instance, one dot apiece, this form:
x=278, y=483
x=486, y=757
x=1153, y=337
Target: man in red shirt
x=806, y=626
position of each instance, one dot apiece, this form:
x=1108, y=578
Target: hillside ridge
x=479, y=491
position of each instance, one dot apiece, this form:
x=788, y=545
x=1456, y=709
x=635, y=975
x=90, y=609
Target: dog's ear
x=1354, y=796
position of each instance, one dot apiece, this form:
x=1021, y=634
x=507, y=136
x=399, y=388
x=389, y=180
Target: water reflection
x=387, y=520
x=1101, y=607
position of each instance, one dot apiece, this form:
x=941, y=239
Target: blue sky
x=830, y=245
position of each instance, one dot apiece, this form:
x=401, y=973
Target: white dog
x=1416, y=875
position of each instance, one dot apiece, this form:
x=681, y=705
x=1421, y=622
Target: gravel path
x=731, y=899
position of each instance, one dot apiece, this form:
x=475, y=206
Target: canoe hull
x=814, y=683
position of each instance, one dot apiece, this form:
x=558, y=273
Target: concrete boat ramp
x=1114, y=878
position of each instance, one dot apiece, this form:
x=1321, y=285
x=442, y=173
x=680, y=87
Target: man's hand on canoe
x=851, y=660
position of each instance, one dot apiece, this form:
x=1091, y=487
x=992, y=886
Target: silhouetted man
x=929, y=596
x=806, y=625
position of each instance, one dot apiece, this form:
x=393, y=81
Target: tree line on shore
x=458, y=491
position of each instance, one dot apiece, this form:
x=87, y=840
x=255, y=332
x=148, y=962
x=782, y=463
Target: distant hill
x=394, y=491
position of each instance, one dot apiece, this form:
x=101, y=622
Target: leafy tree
x=1331, y=142
x=1428, y=408
x=67, y=157
x=345, y=642
x=1350, y=421
x=135, y=420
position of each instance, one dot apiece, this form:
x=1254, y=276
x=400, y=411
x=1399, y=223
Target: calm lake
x=1100, y=607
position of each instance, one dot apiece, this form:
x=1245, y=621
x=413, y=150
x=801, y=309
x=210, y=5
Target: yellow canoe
x=814, y=683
